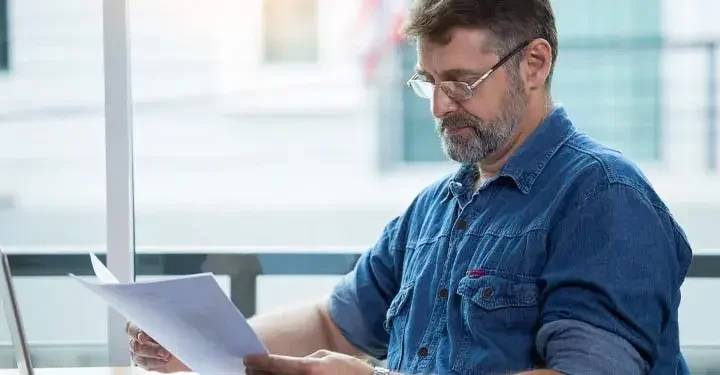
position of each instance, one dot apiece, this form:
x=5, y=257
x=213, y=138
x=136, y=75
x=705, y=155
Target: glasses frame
x=468, y=88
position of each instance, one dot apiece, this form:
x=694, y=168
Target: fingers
x=134, y=331
x=144, y=346
x=146, y=353
x=148, y=349
x=276, y=364
x=151, y=364
x=144, y=338
x=131, y=329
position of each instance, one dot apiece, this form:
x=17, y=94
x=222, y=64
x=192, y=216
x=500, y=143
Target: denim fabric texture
x=566, y=259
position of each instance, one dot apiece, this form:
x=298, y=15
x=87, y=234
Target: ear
x=538, y=62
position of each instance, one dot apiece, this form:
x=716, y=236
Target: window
x=207, y=195
x=4, y=36
x=274, y=189
x=204, y=186
x=52, y=159
x=616, y=99
x=290, y=31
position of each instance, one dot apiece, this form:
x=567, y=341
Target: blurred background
x=275, y=138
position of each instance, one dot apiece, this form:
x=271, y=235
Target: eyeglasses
x=458, y=90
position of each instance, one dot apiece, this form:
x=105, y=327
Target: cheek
x=488, y=101
x=481, y=107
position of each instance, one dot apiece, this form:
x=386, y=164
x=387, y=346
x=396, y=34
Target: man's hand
x=322, y=362
x=150, y=355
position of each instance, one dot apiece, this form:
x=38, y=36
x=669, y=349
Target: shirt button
x=423, y=352
x=461, y=224
x=487, y=293
x=443, y=293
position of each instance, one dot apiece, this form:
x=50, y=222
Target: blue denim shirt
x=566, y=260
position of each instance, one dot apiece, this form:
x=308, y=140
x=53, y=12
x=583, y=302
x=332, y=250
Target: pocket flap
x=402, y=298
x=495, y=292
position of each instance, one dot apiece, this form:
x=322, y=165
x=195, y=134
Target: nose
x=442, y=105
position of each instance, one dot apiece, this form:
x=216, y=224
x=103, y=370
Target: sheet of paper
x=103, y=274
x=189, y=315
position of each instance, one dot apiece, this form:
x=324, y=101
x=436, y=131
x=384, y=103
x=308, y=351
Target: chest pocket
x=498, y=303
x=396, y=320
x=499, y=312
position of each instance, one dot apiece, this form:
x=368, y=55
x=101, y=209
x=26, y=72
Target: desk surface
x=86, y=371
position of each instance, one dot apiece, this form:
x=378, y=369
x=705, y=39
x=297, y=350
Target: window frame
x=119, y=165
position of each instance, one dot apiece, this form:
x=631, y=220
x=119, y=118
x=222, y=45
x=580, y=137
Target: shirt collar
x=529, y=161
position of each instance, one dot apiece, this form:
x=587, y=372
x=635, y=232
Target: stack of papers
x=190, y=316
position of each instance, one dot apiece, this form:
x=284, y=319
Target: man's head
x=462, y=40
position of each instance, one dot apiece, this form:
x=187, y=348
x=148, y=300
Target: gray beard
x=486, y=137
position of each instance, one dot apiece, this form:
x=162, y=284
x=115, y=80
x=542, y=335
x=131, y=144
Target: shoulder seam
x=661, y=208
x=595, y=157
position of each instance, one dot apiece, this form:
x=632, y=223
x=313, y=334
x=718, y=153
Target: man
x=546, y=253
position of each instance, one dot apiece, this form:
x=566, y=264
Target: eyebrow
x=452, y=73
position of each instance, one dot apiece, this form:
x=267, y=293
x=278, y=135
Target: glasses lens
x=456, y=90
x=423, y=89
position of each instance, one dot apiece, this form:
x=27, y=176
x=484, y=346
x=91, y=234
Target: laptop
x=12, y=316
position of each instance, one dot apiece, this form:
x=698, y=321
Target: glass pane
x=608, y=73
x=52, y=194
x=223, y=167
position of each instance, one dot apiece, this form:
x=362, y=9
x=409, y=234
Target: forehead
x=467, y=49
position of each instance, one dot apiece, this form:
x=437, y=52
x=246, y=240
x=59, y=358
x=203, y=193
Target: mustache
x=457, y=121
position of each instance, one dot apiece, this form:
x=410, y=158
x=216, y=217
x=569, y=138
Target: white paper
x=190, y=316
x=103, y=274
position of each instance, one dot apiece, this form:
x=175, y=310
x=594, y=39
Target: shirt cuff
x=575, y=347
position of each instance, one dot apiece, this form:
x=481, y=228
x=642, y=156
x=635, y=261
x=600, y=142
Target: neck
x=534, y=116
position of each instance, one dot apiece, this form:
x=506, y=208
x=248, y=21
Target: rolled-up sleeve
x=615, y=265
x=574, y=347
x=360, y=301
